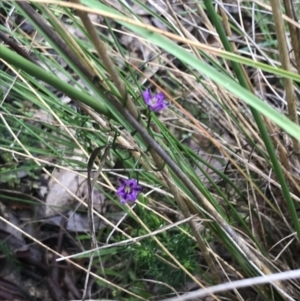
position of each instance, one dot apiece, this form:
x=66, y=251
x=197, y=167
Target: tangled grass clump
x=212, y=183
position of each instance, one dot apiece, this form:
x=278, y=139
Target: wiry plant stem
x=295, y=31
x=285, y=62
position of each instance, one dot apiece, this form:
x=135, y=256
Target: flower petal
x=131, y=182
x=132, y=196
x=123, y=181
x=159, y=103
x=123, y=201
x=159, y=107
x=160, y=96
x=128, y=190
x=121, y=189
x=147, y=96
x=122, y=194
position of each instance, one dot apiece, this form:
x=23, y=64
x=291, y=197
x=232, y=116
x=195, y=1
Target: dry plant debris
x=54, y=211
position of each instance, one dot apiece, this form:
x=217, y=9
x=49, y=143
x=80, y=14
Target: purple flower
x=155, y=102
x=128, y=190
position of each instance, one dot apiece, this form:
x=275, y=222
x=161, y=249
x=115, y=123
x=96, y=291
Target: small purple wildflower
x=155, y=102
x=128, y=190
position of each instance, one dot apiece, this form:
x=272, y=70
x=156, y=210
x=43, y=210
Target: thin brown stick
x=285, y=62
